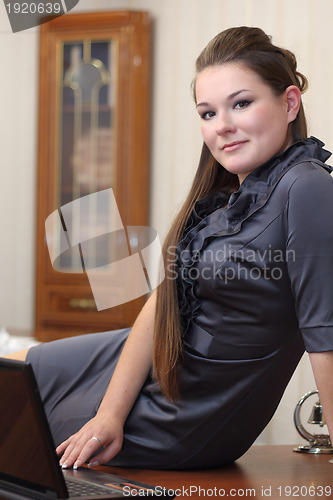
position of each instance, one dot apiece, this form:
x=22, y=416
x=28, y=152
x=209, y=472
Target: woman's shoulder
x=310, y=195
x=310, y=176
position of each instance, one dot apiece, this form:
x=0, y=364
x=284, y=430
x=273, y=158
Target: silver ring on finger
x=98, y=441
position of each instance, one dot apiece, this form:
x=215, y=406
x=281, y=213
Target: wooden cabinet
x=94, y=113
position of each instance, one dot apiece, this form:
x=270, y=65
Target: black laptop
x=29, y=466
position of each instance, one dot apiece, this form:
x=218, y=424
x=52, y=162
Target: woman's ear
x=293, y=98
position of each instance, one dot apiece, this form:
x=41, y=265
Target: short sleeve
x=310, y=256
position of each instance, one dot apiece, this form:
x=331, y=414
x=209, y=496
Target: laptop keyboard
x=76, y=489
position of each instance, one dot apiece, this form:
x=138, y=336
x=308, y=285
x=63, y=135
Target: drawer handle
x=82, y=304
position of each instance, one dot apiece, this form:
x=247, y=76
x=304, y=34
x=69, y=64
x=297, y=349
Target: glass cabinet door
x=93, y=136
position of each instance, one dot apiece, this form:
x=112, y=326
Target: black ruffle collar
x=252, y=193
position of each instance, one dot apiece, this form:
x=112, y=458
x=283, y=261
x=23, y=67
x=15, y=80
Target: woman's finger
x=81, y=452
x=106, y=454
x=62, y=447
x=93, y=445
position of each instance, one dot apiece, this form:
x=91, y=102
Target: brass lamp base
x=321, y=443
x=313, y=449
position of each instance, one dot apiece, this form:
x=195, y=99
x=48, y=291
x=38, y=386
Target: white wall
x=181, y=30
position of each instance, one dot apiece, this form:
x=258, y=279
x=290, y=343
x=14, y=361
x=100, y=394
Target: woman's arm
x=322, y=366
x=310, y=245
x=129, y=376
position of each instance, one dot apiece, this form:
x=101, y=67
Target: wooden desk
x=273, y=472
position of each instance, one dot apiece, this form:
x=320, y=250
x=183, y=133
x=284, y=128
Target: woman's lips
x=232, y=146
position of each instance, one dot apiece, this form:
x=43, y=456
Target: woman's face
x=243, y=122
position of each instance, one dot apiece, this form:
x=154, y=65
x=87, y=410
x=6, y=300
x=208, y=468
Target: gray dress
x=255, y=289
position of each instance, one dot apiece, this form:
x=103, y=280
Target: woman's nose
x=224, y=124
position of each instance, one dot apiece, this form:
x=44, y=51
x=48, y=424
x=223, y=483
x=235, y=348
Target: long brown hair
x=278, y=68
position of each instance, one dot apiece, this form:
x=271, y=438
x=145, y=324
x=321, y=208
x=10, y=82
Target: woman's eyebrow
x=234, y=94
x=229, y=98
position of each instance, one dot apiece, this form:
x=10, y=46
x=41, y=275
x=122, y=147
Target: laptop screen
x=25, y=442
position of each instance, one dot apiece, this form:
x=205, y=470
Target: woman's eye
x=207, y=115
x=242, y=104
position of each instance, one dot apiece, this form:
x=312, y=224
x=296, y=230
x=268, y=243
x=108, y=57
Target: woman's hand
x=100, y=431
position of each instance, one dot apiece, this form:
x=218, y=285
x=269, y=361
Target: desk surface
x=274, y=472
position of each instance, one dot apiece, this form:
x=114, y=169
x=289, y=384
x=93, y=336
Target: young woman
x=248, y=287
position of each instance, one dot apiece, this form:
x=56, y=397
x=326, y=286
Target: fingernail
x=77, y=464
x=64, y=466
x=93, y=464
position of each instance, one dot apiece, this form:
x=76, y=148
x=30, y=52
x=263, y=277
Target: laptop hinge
x=51, y=494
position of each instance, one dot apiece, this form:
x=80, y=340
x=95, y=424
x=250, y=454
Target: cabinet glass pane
x=87, y=93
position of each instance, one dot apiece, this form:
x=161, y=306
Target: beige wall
x=181, y=29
